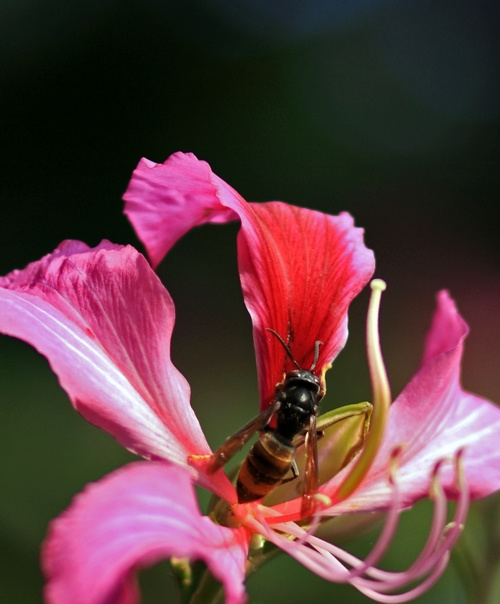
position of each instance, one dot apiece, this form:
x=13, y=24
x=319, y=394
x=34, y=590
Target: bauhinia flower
x=110, y=348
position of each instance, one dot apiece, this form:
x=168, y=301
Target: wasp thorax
x=299, y=396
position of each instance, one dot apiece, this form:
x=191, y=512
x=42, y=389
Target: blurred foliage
x=387, y=109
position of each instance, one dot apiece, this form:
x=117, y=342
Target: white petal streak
x=95, y=385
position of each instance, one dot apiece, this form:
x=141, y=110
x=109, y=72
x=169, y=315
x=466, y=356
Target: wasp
x=271, y=460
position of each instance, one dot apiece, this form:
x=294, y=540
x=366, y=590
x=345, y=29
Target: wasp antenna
x=285, y=346
x=317, y=344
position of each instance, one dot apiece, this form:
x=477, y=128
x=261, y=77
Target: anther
x=322, y=499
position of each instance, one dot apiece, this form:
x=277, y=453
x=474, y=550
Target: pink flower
x=111, y=351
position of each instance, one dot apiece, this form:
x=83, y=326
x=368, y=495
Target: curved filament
x=335, y=564
x=381, y=397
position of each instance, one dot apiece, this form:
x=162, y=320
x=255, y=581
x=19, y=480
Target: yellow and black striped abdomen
x=268, y=462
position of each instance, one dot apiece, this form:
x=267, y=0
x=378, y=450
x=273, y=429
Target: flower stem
x=209, y=591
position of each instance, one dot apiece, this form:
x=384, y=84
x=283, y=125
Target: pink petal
x=104, y=321
x=157, y=196
x=299, y=268
x=433, y=418
x=133, y=518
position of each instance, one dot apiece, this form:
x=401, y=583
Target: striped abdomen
x=268, y=462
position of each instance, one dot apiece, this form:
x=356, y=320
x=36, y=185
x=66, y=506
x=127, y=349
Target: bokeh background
x=388, y=109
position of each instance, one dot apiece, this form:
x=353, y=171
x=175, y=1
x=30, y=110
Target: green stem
x=209, y=591
x=205, y=589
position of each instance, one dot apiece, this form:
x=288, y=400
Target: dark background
x=390, y=110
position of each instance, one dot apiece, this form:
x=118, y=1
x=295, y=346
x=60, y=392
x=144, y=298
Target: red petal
x=133, y=518
x=299, y=269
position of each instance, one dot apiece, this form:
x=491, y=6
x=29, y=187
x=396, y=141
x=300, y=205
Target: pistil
x=381, y=397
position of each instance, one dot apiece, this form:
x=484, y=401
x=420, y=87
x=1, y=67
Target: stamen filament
x=432, y=551
x=390, y=525
x=381, y=397
x=321, y=502
x=411, y=594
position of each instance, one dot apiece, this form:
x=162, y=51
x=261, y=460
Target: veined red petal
x=299, y=268
x=134, y=517
x=433, y=418
x=104, y=321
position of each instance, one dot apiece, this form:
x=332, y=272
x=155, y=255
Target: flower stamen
x=434, y=557
x=320, y=503
x=332, y=563
x=390, y=525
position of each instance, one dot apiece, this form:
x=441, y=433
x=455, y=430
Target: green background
x=389, y=110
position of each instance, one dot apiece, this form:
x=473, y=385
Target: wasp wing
x=237, y=441
x=310, y=484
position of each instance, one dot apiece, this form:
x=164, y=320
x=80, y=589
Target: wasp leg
x=310, y=484
x=299, y=440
